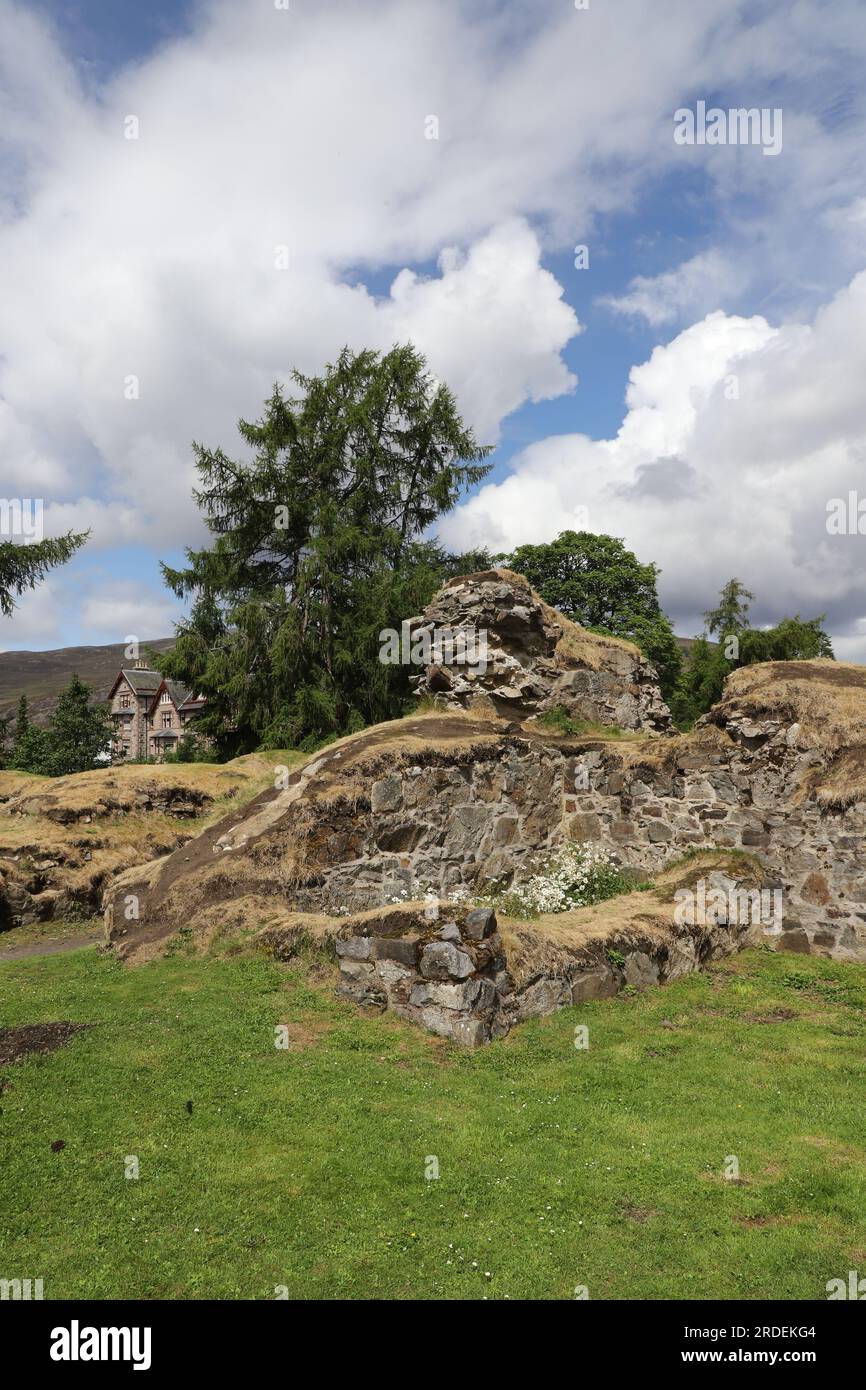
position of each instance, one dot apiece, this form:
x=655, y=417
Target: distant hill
x=685, y=644
x=42, y=675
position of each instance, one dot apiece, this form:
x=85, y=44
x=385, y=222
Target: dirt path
x=49, y=948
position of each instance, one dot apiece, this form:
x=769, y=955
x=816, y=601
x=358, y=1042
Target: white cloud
x=120, y=611
x=695, y=287
x=155, y=257
x=38, y=615
x=736, y=436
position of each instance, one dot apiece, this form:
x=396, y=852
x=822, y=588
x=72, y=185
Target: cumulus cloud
x=736, y=437
x=281, y=198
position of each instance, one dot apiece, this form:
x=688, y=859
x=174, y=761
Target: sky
x=663, y=340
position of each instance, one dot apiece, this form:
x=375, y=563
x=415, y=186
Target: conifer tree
x=317, y=547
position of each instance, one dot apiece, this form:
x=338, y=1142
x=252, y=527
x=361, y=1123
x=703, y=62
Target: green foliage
x=700, y=684
x=78, y=733
x=730, y=616
x=596, y=582
x=191, y=748
x=317, y=550
x=22, y=719
x=793, y=639
x=24, y=566
x=559, y=721
x=704, y=673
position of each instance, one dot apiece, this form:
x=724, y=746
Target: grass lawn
x=558, y=1167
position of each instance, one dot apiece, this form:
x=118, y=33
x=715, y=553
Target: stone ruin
x=535, y=660
x=769, y=791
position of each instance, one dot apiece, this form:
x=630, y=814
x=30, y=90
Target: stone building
x=149, y=713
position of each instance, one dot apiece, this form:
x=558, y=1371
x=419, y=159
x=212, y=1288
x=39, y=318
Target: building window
x=166, y=720
x=164, y=697
x=124, y=702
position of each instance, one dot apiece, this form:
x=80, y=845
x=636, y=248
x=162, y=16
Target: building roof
x=142, y=680
x=181, y=696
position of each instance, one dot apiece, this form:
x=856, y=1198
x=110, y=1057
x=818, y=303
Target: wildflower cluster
x=578, y=876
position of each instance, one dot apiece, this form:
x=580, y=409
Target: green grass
x=558, y=1167
x=558, y=721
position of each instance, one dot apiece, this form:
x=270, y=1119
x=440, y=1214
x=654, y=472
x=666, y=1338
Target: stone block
x=659, y=832
x=397, y=948
x=480, y=923
x=387, y=793
x=584, y=827
x=640, y=970
x=446, y=996
x=599, y=982
x=353, y=947
x=441, y=960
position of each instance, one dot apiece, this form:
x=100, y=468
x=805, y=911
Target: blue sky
x=153, y=257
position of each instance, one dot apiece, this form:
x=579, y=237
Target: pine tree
x=77, y=736
x=80, y=732
x=732, y=614
x=24, y=566
x=317, y=548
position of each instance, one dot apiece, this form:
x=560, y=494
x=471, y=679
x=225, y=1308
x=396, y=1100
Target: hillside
x=42, y=675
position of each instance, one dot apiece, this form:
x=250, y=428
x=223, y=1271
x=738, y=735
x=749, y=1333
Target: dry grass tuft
x=554, y=941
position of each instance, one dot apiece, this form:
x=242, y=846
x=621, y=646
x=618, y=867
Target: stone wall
x=450, y=823
x=448, y=970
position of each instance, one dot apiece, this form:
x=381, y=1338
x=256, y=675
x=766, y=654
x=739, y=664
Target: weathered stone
x=658, y=831
x=397, y=948
x=584, y=827
x=544, y=996
x=355, y=969
x=353, y=947
x=450, y=932
x=441, y=960
x=815, y=889
x=446, y=996
x=640, y=970
x=480, y=923
x=470, y=1032
x=392, y=972
x=599, y=982
x=386, y=794
x=795, y=940
x=534, y=658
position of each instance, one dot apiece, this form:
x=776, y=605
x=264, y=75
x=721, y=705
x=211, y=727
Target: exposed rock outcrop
x=525, y=657
x=63, y=838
